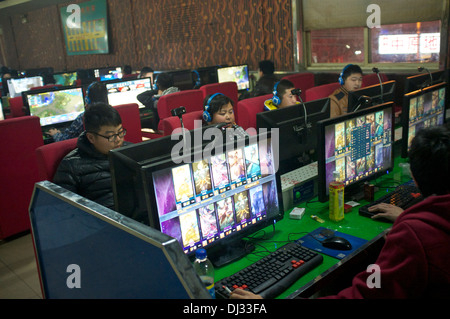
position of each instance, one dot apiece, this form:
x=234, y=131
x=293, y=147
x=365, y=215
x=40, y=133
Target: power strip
x=299, y=185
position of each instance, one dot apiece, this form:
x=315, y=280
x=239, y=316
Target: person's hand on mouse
x=243, y=294
x=386, y=211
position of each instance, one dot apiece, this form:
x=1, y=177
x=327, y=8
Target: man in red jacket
x=414, y=262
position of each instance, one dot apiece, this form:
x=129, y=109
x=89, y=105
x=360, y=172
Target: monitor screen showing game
x=126, y=91
x=421, y=109
x=19, y=85
x=55, y=106
x=377, y=94
x=238, y=74
x=108, y=73
x=65, y=78
x=359, y=146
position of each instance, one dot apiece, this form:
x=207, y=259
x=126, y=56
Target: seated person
x=282, y=96
x=412, y=262
x=163, y=85
x=266, y=80
x=350, y=80
x=85, y=170
x=96, y=92
x=146, y=72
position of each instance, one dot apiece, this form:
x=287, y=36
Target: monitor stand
x=228, y=252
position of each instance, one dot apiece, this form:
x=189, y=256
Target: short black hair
x=429, y=158
x=351, y=69
x=100, y=114
x=97, y=92
x=146, y=69
x=283, y=85
x=216, y=103
x=267, y=67
x=164, y=81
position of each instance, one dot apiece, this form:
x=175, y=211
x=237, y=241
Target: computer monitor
x=358, y=145
x=297, y=132
x=19, y=85
x=55, y=107
x=125, y=91
x=108, y=73
x=371, y=95
x=212, y=202
x=206, y=75
x=421, y=109
x=65, y=78
x=237, y=73
x=423, y=80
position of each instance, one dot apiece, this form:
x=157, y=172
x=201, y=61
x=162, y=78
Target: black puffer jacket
x=86, y=172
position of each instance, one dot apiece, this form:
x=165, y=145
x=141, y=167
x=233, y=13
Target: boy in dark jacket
x=85, y=170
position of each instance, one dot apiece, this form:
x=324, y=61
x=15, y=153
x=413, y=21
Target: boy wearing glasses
x=85, y=170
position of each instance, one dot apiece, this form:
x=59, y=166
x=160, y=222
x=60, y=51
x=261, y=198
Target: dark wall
x=164, y=34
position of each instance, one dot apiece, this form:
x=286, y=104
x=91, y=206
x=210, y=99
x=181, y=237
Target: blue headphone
x=155, y=86
x=276, y=100
x=198, y=81
x=341, y=76
x=206, y=115
x=87, y=99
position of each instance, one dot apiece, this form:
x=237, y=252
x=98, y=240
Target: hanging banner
x=85, y=28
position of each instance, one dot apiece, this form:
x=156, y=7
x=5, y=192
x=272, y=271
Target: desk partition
x=85, y=250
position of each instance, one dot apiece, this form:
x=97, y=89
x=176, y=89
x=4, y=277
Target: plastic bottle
x=205, y=270
x=336, y=188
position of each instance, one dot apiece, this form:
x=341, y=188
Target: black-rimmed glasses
x=113, y=137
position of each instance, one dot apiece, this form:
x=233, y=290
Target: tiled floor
x=18, y=272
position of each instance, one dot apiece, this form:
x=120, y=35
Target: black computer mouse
x=337, y=243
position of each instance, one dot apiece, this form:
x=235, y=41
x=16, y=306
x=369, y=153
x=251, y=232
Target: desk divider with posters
x=87, y=251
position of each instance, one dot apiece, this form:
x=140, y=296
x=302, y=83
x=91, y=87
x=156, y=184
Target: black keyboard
x=273, y=274
x=404, y=196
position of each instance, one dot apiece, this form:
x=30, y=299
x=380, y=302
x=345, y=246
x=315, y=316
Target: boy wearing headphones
x=282, y=96
x=218, y=108
x=350, y=80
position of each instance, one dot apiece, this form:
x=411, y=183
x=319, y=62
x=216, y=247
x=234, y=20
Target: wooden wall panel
x=167, y=35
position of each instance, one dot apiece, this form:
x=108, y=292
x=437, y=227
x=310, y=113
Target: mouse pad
x=313, y=239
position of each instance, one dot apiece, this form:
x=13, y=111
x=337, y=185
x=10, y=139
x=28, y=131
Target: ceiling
x=14, y=7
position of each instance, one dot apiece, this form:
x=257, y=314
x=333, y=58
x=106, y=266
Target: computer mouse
x=337, y=243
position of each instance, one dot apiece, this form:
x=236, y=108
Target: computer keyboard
x=404, y=196
x=273, y=274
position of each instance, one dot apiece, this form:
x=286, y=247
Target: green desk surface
x=289, y=230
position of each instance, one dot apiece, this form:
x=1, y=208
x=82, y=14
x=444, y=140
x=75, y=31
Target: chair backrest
x=50, y=155
x=372, y=78
x=248, y=108
x=192, y=100
x=16, y=106
x=320, y=91
x=191, y=120
x=131, y=120
x=302, y=81
x=18, y=171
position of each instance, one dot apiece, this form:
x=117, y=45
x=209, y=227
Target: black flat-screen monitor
x=55, y=106
x=212, y=201
x=423, y=80
x=108, y=73
x=371, y=95
x=182, y=79
x=359, y=146
x=125, y=91
x=297, y=131
x=421, y=109
x=65, y=78
x=206, y=75
x=236, y=73
x=19, y=85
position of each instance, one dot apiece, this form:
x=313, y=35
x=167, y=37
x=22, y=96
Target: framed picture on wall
x=85, y=28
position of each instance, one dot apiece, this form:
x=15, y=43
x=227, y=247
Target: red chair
x=230, y=89
x=248, y=108
x=320, y=91
x=372, y=79
x=18, y=171
x=50, y=155
x=191, y=120
x=131, y=120
x=16, y=106
x=302, y=81
x=192, y=100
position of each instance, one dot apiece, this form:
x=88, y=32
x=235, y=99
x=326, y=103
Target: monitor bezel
x=406, y=108
x=322, y=185
x=231, y=67
x=16, y=94
x=128, y=80
x=68, y=72
x=388, y=92
x=411, y=82
x=107, y=68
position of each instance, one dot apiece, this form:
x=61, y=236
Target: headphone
x=198, y=81
x=87, y=99
x=155, y=85
x=206, y=115
x=341, y=76
x=276, y=100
